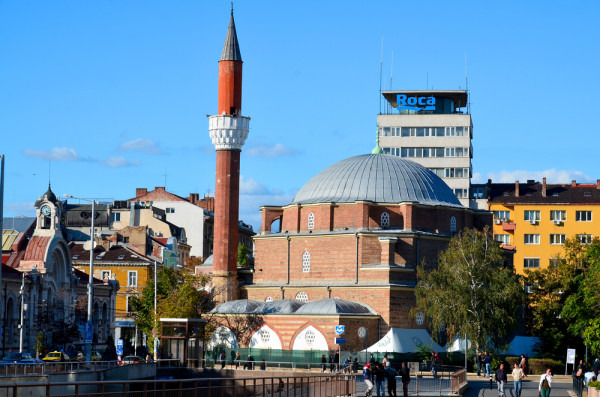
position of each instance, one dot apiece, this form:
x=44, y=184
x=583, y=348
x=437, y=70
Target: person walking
x=479, y=363
x=523, y=364
x=223, y=359
x=545, y=383
x=336, y=361
x=237, y=360
x=518, y=375
x=501, y=379
x=390, y=374
x=347, y=363
x=487, y=360
x=596, y=366
x=323, y=363
x=435, y=359
x=367, y=377
x=331, y=361
x=379, y=375
x=405, y=374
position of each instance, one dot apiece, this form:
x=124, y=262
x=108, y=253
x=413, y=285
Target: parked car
x=56, y=357
x=131, y=360
x=17, y=358
x=96, y=356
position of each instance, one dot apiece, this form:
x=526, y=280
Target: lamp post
x=90, y=292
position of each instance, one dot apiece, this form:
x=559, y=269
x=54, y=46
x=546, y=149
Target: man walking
x=518, y=376
x=487, y=360
x=479, y=363
x=379, y=375
x=501, y=380
x=405, y=374
x=367, y=377
x=390, y=374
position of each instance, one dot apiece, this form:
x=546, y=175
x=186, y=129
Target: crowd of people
x=383, y=373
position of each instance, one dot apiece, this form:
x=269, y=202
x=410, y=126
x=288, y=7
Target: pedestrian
x=518, y=376
x=545, y=383
x=263, y=365
x=581, y=370
x=355, y=365
x=237, y=360
x=379, y=375
x=223, y=359
x=405, y=374
x=596, y=366
x=336, y=360
x=323, y=363
x=487, y=360
x=331, y=361
x=385, y=360
x=347, y=363
x=434, y=363
x=391, y=374
x=367, y=377
x=479, y=363
x=501, y=379
x=523, y=364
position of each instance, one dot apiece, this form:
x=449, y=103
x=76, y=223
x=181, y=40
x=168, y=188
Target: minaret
x=228, y=131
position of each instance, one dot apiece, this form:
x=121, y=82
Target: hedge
x=539, y=365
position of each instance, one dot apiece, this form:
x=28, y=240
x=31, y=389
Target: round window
x=268, y=299
x=265, y=336
x=420, y=318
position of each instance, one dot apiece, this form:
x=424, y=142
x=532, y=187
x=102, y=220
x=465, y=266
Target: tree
x=179, y=294
x=244, y=256
x=39, y=344
x=470, y=292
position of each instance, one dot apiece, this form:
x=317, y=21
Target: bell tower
x=228, y=132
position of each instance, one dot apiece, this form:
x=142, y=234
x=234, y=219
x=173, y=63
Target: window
x=170, y=210
x=531, y=263
x=311, y=221
x=528, y=288
x=583, y=216
x=306, y=262
x=129, y=306
x=478, y=193
x=558, y=215
x=309, y=337
x=132, y=278
x=438, y=171
x=268, y=299
x=532, y=239
x=265, y=335
x=385, y=220
x=105, y=274
x=501, y=214
x=557, y=239
x=116, y=216
x=453, y=225
x=584, y=238
x=502, y=238
x=302, y=297
x=126, y=240
x=460, y=193
x=554, y=262
x=532, y=215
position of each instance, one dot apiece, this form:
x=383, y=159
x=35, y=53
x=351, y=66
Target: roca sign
x=416, y=103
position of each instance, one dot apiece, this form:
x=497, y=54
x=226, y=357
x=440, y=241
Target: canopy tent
x=458, y=345
x=404, y=340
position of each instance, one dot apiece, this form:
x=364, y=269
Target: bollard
x=490, y=383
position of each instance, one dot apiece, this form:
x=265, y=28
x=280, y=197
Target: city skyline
x=104, y=98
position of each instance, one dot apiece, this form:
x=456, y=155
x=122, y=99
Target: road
x=481, y=388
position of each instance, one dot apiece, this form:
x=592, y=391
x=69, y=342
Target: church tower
x=228, y=132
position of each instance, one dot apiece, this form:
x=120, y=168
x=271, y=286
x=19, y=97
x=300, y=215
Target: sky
x=103, y=97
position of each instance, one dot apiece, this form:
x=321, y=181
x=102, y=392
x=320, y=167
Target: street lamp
x=88, y=325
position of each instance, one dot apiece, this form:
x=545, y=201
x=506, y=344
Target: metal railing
x=578, y=384
x=46, y=368
x=315, y=385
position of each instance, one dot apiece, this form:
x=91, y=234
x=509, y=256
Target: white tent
x=404, y=340
x=457, y=345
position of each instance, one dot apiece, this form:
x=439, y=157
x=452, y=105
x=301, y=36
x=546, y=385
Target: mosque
x=343, y=252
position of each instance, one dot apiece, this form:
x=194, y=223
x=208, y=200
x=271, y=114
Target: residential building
x=536, y=218
x=433, y=128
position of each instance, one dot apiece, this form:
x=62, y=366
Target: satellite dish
x=87, y=244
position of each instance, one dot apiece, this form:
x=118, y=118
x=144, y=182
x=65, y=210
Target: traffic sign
x=89, y=333
x=119, y=352
x=340, y=341
x=339, y=329
x=120, y=343
x=362, y=331
x=570, y=356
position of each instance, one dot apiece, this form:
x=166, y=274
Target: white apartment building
x=434, y=129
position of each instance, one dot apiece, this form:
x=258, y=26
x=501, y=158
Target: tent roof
x=405, y=340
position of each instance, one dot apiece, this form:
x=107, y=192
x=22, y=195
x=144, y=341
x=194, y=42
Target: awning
x=405, y=340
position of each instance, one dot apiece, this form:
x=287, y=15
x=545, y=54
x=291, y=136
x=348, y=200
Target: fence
x=578, y=384
x=68, y=366
x=319, y=385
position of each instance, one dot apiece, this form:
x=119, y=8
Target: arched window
x=268, y=299
x=311, y=221
x=385, y=220
x=302, y=297
x=453, y=225
x=306, y=262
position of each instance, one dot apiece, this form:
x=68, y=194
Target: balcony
x=509, y=226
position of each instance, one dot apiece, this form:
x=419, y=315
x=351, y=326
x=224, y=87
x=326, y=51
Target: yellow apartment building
x=535, y=219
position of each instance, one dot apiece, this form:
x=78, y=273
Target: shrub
x=594, y=384
x=511, y=361
x=538, y=365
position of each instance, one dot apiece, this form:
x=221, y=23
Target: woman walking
x=545, y=383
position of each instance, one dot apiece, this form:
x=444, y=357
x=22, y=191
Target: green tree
x=179, y=294
x=470, y=292
x=244, y=256
x=39, y=344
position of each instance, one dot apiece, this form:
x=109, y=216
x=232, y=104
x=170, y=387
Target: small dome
x=334, y=306
x=240, y=306
x=379, y=178
x=284, y=306
x=49, y=195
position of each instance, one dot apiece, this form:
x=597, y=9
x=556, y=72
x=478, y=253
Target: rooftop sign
x=416, y=103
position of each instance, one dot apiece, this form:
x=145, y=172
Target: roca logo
x=415, y=103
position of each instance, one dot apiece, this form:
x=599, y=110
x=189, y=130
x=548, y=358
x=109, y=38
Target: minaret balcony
x=228, y=132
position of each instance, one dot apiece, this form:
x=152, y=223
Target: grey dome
x=378, y=178
x=284, y=306
x=236, y=307
x=333, y=306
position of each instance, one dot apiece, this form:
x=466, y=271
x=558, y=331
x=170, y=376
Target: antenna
x=49, y=173
x=392, y=71
x=467, y=86
x=380, y=74
x=165, y=175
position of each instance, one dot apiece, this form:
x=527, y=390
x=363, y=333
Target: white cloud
x=143, y=145
x=249, y=186
x=119, y=161
x=552, y=176
x=269, y=150
x=17, y=209
x=56, y=154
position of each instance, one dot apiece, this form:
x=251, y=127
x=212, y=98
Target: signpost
x=89, y=332
x=339, y=341
x=364, y=333
x=570, y=359
x=119, y=352
x=339, y=330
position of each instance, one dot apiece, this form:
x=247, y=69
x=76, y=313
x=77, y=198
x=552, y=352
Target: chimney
x=140, y=191
x=597, y=183
x=159, y=188
x=544, y=187
x=517, y=189
x=573, y=183
x=194, y=198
